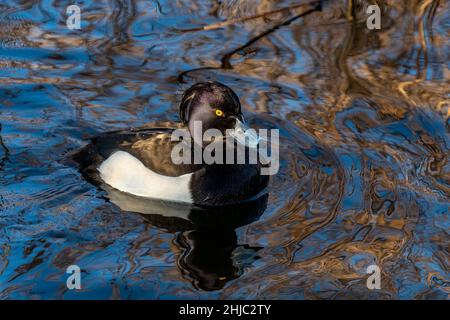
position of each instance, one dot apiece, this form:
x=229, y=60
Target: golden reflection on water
x=364, y=116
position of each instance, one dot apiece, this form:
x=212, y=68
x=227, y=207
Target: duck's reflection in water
x=211, y=254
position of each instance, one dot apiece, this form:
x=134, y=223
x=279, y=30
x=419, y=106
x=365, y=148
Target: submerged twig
x=225, y=60
x=226, y=23
x=350, y=11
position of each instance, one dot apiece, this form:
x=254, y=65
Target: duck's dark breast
x=227, y=184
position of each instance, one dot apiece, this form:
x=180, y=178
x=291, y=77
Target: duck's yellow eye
x=219, y=113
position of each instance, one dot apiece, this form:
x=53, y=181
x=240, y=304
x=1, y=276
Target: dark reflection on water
x=364, y=121
x=207, y=234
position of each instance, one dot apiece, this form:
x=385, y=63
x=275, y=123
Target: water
x=365, y=171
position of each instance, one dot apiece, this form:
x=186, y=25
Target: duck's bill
x=244, y=135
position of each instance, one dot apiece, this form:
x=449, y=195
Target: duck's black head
x=212, y=103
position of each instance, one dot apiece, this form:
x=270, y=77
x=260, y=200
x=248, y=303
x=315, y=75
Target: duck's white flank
x=126, y=173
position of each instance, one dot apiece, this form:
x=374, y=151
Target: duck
x=138, y=162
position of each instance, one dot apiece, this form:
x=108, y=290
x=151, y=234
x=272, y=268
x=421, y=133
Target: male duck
x=139, y=161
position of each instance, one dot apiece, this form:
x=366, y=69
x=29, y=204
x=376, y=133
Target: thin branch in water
x=180, y=77
x=226, y=58
x=226, y=23
x=350, y=11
